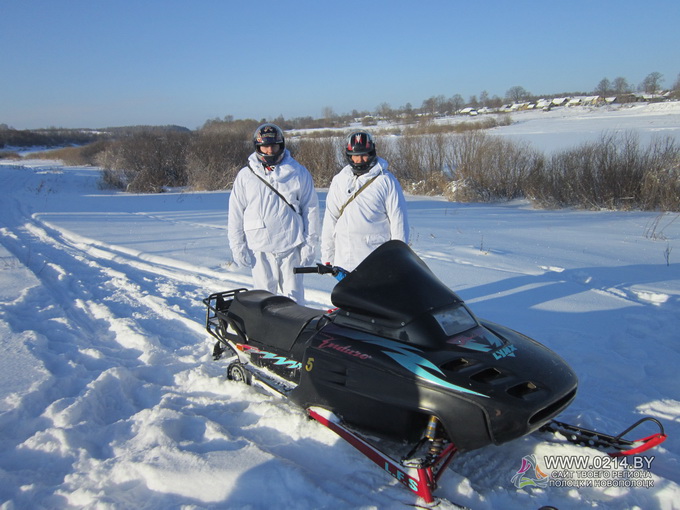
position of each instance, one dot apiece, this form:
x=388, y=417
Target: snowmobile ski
x=614, y=446
x=418, y=474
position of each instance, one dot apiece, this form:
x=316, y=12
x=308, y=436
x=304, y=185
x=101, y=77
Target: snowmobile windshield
x=393, y=284
x=455, y=320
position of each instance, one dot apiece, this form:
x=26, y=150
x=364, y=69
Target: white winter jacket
x=259, y=220
x=376, y=215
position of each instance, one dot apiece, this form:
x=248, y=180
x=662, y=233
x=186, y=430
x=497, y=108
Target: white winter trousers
x=274, y=272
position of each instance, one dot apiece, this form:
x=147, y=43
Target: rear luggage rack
x=217, y=320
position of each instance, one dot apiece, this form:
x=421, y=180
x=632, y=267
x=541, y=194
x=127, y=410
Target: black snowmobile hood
x=392, y=283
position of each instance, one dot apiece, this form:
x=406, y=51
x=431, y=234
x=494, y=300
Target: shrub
x=418, y=161
x=9, y=155
x=426, y=126
x=214, y=159
x=321, y=156
x=146, y=162
x=489, y=168
x=114, y=171
x=614, y=173
x=660, y=188
x=75, y=156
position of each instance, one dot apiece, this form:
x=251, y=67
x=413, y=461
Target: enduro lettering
x=327, y=344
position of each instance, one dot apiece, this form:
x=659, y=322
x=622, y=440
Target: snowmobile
x=401, y=362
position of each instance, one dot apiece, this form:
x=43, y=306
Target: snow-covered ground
x=109, y=397
x=570, y=127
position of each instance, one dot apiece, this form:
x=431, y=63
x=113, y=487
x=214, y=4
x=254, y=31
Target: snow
x=571, y=126
x=109, y=397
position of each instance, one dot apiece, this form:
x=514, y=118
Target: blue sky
x=78, y=63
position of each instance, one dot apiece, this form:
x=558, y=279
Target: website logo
x=529, y=474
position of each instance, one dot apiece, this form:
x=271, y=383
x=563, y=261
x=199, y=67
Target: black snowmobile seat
x=270, y=319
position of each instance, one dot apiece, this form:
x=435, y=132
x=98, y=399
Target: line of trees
x=441, y=105
x=44, y=137
x=62, y=137
x=432, y=106
x=615, y=172
x=460, y=160
x=650, y=85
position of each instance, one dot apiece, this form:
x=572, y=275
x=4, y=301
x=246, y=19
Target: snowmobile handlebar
x=338, y=272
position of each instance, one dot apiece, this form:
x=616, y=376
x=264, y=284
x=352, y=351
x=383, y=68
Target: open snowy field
x=568, y=127
x=109, y=397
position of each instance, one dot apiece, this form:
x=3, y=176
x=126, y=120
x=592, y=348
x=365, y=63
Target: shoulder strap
x=272, y=188
x=342, y=209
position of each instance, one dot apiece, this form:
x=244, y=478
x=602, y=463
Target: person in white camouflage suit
x=365, y=206
x=273, y=221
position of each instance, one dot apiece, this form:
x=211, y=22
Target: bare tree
x=407, y=111
x=652, y=83
x=621, y=86
x=328, y=113
x=457, y=102
x=385, y=111
x=604, y=88
x=517, y=94
x=434, y=105
x=496, y=102
x=676, y=88
x=429, y=106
